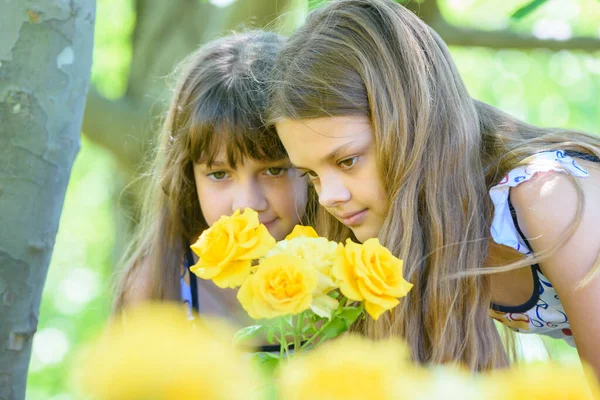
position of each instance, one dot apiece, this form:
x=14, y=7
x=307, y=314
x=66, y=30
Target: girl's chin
x=275, y=230
x=362, y=234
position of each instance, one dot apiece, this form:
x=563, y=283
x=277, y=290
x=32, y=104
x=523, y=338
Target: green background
x=542, y=87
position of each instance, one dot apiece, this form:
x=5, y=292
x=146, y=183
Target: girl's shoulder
x=552, y=192
x=544, y=162
x=542, y=187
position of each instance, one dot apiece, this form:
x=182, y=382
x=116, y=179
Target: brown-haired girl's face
x=272, y=188
x=338, y=155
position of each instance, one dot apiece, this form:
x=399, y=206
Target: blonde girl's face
x=338, y=155
x=272, y=188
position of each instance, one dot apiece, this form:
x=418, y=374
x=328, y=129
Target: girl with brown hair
x=494, y=218
x=215, y=155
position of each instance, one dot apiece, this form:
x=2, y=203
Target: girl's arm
x=545, y=206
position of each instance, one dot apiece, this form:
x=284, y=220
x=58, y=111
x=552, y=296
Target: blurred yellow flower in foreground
x=349, y=368
x=370, y=273
x=155, y=352
x=543, y=381
x=282, y=285
x=227, y=248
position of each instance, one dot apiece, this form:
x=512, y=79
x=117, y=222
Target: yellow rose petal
x=302, y=231
x=282, y=285
x=323, y=305
x=229, y=241
x=245, y=296
x=370, y=273
x=233, y=275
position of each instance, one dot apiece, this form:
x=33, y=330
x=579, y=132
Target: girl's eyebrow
x=336, y=153
x=214, y=164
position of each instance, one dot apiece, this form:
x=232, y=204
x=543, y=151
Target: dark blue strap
x=189, y=261
x=581, y=155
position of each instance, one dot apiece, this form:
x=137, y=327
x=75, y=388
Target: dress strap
x=505, y=229
x=189, y=261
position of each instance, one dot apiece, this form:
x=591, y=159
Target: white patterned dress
x=542, y=313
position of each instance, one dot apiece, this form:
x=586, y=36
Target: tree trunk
x=45, y=62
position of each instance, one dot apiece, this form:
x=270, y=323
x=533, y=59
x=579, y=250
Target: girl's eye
x=348, y=162
x=310, y=174
x=217, y=175
x=276, y=171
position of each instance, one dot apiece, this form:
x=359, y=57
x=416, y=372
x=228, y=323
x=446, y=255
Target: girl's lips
x=353, y=219
x=269, y=223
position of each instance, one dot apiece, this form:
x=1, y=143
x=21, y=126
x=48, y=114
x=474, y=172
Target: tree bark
x=45, y=62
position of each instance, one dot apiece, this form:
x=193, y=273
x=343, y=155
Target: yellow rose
x=302, y=231
x=282, y=285
x=227, y=248
x=320, y=254
x=155, y=352
x=370, y=273
x=349, y=368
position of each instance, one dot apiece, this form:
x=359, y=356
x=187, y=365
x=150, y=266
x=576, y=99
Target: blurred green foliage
x=542, y=87
x=115, y=20
x=527, y=9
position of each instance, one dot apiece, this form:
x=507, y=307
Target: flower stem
x=298, y=333
x=283, y=342
x=341, y=305
x=313, y=337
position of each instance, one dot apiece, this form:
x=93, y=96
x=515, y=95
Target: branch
x=430, y=13
x=506, y=39
x=123, y=126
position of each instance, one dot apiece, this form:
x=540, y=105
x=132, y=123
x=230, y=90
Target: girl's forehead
x=324, y=140
x=227, y=155
x=235, y=146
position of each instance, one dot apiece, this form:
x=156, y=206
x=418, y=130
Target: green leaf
x=247, y=333
x=267, y=362
x=334, y=329
x=264, y=356
x=527, y=9
x=350, y=314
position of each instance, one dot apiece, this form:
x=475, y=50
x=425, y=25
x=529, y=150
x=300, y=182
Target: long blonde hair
x=220, y=98
x=438, y=150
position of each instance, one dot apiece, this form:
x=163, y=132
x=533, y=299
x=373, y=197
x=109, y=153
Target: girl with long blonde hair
x=495, y=219
x=215, y=155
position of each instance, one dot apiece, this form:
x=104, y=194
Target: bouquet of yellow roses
x=305, y=289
